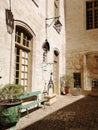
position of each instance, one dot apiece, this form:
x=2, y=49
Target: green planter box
x=9, y=116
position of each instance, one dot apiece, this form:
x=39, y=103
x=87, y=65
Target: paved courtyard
x=67, y=113
x=40, y=113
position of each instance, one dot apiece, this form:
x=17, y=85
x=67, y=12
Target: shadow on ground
x=80, y=115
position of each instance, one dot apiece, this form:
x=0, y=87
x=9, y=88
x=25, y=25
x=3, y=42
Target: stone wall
x=33, y=17
x=79, y=41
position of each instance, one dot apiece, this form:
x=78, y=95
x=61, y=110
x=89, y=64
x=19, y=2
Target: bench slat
x=29, y=105
x=33, y=103
x=36, y=93
x=41, y=100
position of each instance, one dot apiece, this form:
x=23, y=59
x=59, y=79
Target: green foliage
x=66, y=81
x=11, y=91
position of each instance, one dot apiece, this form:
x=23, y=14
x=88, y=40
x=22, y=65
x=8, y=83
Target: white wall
x=27, y=12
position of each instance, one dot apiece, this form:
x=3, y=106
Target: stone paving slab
x=79, y=115
x=40, y=113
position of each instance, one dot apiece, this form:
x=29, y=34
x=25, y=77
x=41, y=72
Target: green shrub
x=11, y=91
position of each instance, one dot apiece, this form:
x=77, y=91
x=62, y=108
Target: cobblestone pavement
x=80, y=115
x=67, y=113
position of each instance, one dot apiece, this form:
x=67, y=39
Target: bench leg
x=38, y=105
x=27, y=112
x=44, y=104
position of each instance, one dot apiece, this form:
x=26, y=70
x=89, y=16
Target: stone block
x=51, y=99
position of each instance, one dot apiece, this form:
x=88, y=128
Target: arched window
x=23, y=56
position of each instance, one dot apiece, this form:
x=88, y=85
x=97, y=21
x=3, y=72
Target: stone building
x=36, y=50
x=82, y=42
x=31, y=47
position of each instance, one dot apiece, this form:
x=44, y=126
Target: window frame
x=91, y=9
x=77, y=79
x=23, y=47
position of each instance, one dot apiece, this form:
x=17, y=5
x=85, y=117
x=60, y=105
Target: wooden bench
x=32, y=99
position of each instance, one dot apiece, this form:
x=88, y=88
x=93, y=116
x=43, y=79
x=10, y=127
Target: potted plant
x=65, y=82
x=10, y=105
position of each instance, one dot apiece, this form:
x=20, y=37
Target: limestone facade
x=31, y=15
x=81, y=44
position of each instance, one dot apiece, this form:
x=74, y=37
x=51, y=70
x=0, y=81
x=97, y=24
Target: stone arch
x=26, y=26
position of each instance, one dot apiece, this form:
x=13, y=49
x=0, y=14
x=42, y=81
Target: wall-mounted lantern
x=57, y=26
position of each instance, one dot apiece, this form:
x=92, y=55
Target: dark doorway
x=77, y=80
